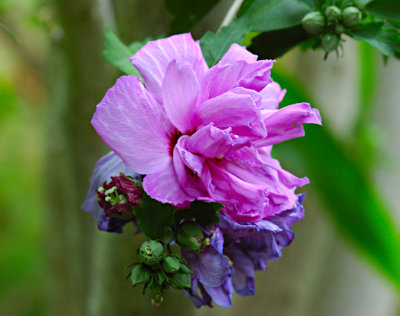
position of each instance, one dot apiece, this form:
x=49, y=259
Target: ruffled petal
x=210, y=141
x=133, y=126
x=285, y=124
x=153, y=59
x=271, y=96
x=180, y=91
x=228, y=110
x=235, y=53
x=164, y=187
x=224, y=77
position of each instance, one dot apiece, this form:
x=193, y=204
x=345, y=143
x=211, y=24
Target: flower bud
x=313, y=22
x=171, y=264
x=351, y=16
x=139, y=275
x=151, y=252
x=339, y=29
x=190, y=237
x=332, y=13
x=330, y=42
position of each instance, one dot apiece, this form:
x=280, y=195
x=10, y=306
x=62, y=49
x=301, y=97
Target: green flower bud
x=157, y=300
x=150, y=252
x=190, y=237
x=332, y=13
x=139, y=275
x=313, y=22
x=171, y=264
x=167, y=236
x=339, y=29
x=330, y=42
x=351, y=16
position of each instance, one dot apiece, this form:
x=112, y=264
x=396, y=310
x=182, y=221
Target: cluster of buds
x=330, y=24
x=159, y=270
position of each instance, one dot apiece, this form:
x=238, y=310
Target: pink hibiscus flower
x=204, y=133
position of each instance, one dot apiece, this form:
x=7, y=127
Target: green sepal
x=181, y=280
x=139, y=275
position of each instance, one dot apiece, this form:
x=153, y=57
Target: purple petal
x=153, y=59
x=212, y=267
x=243, y=270
x=221, y=295
x=131, y=123
x=164, y=187
x=180, y=91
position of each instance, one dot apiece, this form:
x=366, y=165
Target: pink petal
x=180, y=91
x=281, y=124
x=235, y=53
x=222, y=78
x=164, y=187
x=271, y=96
x=210, y=141
x=131, y=123
x=228, y=110
x=153, y=59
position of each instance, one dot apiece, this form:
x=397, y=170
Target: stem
x=230, y=15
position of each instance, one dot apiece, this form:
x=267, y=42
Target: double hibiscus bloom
x=204, y=133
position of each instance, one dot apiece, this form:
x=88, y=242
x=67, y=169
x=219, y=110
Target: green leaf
x=274, y=44
x=386, y=39
x=118, y=54
x=253, y=16
x=205, y=213
x=214, y=46
x=387, y=9
x=349, y=197
x=269, y=15
x=186, y=16
x=153, y=217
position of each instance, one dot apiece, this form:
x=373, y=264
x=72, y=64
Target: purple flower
x=107, y=166
x=206, y=134
x=212, y=274
x=251, y=245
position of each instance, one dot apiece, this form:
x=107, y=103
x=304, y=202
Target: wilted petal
x=106, y=167
x=221, y=295
x=133, y=126
x=212, y=267
x=153, y=59
x=180, y=91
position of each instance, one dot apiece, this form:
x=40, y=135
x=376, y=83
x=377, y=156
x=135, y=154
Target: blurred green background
x=53, y=261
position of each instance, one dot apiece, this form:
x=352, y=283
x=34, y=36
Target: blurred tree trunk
x=317, y=274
